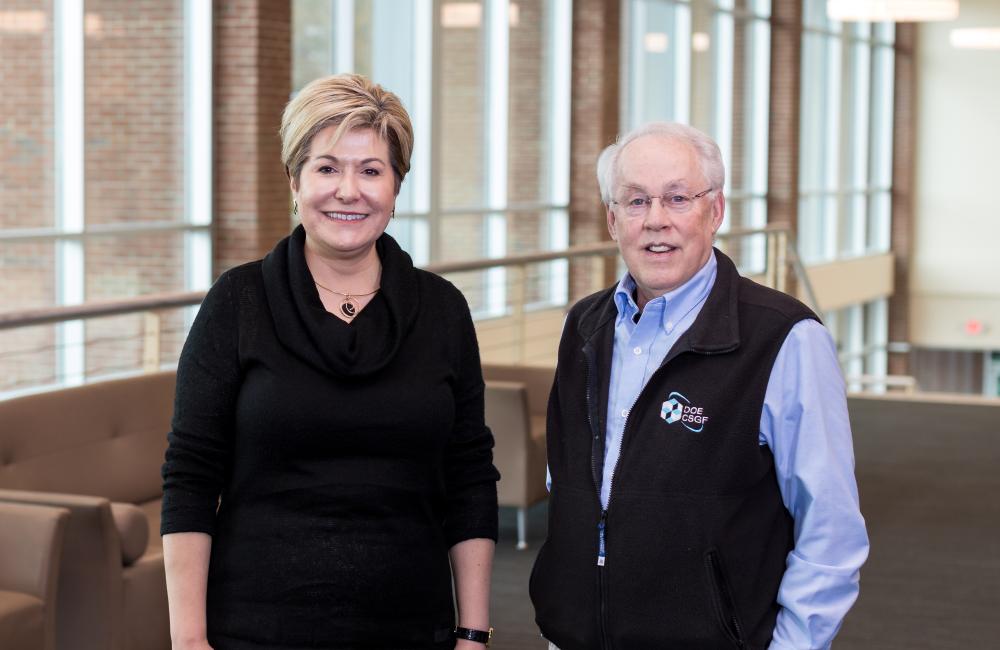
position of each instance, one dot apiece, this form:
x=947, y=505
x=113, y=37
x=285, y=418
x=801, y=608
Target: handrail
x=21, y=235
x=157, y=302
x=580, y=250
x=59, y=313
x=801, y=274
x=907, y=383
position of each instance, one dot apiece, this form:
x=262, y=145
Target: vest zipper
x=602, y=531
x=602, y=524
x=628, y=414
x=602, y=584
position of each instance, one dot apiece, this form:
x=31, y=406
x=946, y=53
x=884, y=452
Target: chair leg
x=522, y=529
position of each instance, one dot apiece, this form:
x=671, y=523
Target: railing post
x=781, y=259
x=769, y=278
x=517, y=278
x=151, y=341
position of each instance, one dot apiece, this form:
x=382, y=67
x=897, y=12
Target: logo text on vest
x=678, y=408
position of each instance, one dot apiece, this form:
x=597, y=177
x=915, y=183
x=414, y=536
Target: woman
x=328, y=454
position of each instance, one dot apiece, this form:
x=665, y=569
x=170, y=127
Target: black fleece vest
x=695, y=532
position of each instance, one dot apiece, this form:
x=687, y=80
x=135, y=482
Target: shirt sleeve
x=805, y=423
x=470, y=477
x=199, y=442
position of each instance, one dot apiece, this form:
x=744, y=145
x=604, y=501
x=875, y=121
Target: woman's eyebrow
x=335, y=159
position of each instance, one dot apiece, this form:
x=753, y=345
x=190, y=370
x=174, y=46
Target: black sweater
x=349, y=457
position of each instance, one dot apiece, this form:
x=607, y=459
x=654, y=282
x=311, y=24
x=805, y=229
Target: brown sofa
x=96, y=450
x=516, y=401
x=31, y=539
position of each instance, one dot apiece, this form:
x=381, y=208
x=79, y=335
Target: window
x=486, y=84
x=846, y=136
x=708, y=64
x=861, y=333
x=107, y=131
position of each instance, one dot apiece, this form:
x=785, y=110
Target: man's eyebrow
x=365, y=161
x=667, y=187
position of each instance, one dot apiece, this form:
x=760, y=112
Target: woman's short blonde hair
x=349, y=101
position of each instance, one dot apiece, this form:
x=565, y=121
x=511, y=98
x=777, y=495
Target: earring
x=295, y=207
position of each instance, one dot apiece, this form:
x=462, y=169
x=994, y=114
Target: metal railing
x=525, y=332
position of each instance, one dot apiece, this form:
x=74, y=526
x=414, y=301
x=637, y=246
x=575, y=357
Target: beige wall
x=956, y=265
x=849, y=282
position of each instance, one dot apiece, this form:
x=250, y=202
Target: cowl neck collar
x=317, y=337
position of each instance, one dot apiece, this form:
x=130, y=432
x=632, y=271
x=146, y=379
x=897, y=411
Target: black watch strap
x=479, y=636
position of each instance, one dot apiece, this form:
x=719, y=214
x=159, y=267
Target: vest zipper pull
x=601, y=526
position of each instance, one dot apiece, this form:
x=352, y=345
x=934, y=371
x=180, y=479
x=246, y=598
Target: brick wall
x=134, y=156
x=134, y=164
x=26, y=181
x=251, y=87
x=134, y=111
x=783, y=121
x=901, y=234
x=594, y=123
x=783, y=124
x=26, y=118
x=461, y=150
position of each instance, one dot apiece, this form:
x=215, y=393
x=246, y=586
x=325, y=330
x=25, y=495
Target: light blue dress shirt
x=804, y=422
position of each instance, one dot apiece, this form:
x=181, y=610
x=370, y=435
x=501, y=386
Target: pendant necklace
x=348, y=307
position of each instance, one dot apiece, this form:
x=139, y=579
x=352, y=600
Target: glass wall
x=861, y=333
x=105, y=137
x=486, y=84
x=845, y=174
x=707, y=63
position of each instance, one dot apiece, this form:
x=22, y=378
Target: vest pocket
x=722, y=596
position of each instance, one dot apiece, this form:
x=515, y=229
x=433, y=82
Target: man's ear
x=612, y=223
x=718, y=211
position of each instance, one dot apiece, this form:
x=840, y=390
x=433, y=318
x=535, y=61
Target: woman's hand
x=465, y=644
x=191, y=645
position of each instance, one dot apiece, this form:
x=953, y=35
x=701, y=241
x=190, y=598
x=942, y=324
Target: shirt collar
x=672, y=305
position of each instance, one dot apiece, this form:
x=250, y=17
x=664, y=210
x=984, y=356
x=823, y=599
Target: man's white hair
x=709, y=155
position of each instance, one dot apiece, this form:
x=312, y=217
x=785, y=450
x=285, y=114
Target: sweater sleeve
x=199, y=443
x=470, y=476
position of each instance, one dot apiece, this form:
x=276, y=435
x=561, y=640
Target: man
x=700, y=454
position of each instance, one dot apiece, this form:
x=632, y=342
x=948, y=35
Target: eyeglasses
x=637, y=204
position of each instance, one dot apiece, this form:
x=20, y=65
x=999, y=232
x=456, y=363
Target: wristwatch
x=479, y=636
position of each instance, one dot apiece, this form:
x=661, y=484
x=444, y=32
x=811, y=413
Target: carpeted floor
x=929, y=477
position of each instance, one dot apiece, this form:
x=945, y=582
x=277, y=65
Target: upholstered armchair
x=516, y=401
x=96, y=451
x=31, y=539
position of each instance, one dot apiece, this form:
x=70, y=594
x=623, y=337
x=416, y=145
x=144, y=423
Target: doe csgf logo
x=678, y=408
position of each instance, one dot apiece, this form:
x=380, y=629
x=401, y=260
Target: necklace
x=348, y=307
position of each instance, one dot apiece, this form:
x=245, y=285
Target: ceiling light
x=470, y=14
x=24, y=22
x=899, y=11
x=655, y=42
x=976, y=38
x=461, y=14
x=701, y=42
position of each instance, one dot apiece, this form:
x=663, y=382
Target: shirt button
x=670, y=325
x=637, y=350
x=624, y=413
